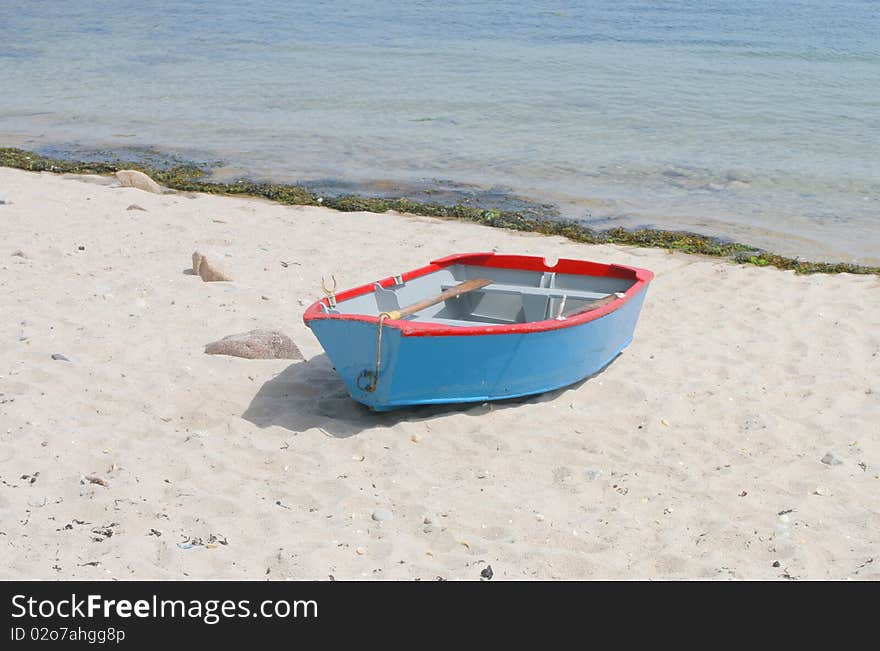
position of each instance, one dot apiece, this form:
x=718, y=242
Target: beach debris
x=256, y=344
x=92, y=479
x=58, y=357
x=102, y=533
x=18, y=253
x=154, y=532
x=208, y=271
x=831, y=460
x=139, y=180
x=382, y=515
x=212, y=542
x=487, y=573
x=776, y=563
x=134, y=206
x=360, y=551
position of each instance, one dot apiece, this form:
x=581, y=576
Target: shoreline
x=187, y=177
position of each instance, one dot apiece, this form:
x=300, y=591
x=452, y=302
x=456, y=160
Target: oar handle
x=595, y=305
x=452, y=292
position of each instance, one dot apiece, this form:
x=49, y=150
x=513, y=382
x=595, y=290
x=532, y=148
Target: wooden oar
x=452, y=292
x=595, y=305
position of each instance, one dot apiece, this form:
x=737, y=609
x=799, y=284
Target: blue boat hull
x=418, y=370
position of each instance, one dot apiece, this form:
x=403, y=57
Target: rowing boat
x=478, y=326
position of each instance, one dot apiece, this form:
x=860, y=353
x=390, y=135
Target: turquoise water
x=756, y=119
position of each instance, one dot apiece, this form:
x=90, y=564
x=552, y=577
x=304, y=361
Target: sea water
x=756, y=120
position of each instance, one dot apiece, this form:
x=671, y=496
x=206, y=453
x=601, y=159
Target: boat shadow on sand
x=311, y=394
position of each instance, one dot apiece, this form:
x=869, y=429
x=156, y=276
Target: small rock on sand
x=58, y=357
x=256, y=344
x=19, y=254
x=139, y=180
x=382, y=515
x=830, y=460
x=208, y=271
x=134, y=206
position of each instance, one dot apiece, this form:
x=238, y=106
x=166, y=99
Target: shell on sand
x=139, y=180
x=256, y=344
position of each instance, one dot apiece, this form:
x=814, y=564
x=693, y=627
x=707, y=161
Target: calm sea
x=757, y=120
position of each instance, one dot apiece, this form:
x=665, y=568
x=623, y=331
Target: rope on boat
x=374, y=375
x=452, y=292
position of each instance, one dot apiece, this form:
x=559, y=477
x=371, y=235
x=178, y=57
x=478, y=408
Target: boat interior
x=512, y=296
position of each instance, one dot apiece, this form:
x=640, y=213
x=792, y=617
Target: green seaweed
x=189, y=178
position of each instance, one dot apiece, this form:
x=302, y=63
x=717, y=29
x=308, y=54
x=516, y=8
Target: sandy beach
x=738, y=437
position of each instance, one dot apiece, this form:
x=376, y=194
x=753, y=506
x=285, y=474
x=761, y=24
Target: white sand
x=675, y=462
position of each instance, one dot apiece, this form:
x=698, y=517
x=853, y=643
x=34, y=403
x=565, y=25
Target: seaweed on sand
x=190, y=177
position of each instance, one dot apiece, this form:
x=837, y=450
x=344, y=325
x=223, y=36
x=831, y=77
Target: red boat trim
x=529, y=263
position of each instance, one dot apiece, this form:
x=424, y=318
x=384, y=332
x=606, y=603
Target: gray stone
x=831, y=460
x=256, y=344
x=134, y=206
x=382, y=515
x=58, y=357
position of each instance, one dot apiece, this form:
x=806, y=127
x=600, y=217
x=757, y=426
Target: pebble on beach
x=139, y=180
x=831, y=460
x=256, y=344
x=208, y=271
x=134, y=206
x=382, y=515
x=58, y=357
